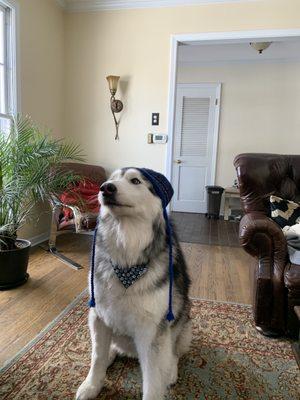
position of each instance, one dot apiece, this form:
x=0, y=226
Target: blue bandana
x=128, y=276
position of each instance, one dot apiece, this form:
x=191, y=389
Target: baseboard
x=42, y=237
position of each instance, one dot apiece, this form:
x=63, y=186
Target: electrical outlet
x=155, y=119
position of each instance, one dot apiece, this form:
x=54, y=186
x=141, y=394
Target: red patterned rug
x=228, y=360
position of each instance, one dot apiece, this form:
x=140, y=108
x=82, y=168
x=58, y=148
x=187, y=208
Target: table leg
x=226, y=208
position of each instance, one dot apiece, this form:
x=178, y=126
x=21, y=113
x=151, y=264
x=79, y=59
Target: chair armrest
x=262, y=237
x=56, y=205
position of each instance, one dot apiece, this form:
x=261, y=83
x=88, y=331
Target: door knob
x=178, y=161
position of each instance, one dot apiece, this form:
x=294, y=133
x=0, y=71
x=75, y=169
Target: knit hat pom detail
x=170, y=316
x=92, y=303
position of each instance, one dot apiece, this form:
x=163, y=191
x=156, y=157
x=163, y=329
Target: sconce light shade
x=260, y=46
x=113, y=83
x=116, y=106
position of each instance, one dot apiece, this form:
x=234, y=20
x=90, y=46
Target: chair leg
x=52, y=244
x=68, y=261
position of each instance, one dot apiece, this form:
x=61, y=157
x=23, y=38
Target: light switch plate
x=155, y=119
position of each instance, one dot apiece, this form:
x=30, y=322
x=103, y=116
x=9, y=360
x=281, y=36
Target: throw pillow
x=284, y=212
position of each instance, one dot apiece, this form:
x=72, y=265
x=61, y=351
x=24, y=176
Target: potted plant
x=29, y=173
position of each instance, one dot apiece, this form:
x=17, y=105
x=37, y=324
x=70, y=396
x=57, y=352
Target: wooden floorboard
x=196, y=228
x=218, y=273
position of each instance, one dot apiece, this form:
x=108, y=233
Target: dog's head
x=128, y=193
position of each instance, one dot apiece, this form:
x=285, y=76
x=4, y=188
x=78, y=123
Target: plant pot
x=13, y=265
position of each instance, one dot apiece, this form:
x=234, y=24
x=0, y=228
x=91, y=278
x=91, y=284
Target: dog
x=131, y=320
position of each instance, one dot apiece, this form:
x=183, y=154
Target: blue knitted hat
x=160, y=183
x=164, y=190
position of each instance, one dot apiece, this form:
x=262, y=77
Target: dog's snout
x=108, y=189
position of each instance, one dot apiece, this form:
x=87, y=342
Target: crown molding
x=104, y=5
x=222, y=63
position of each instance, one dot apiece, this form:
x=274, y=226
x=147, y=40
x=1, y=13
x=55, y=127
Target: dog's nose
x=108, y=189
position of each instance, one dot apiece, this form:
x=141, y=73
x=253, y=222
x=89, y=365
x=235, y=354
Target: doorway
x=187, y=189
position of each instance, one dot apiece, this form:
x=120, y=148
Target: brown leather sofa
x=276, y=282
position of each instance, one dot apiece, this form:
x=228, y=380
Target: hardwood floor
x=196, y=228
x=218, y=273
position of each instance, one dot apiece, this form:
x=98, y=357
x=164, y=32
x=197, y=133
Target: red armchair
x=79, y=221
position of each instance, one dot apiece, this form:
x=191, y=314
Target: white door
x=195, y=144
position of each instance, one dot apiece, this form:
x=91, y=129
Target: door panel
x=194, y=129
x=189, y=190
x=195, y=140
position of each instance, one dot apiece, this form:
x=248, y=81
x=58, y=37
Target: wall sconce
x=260, y=46
x=115, y=105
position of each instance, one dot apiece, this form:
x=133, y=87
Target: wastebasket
x=214, y=196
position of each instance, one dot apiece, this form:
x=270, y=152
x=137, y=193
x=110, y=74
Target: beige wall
x=41, y=63
x=64, y=58
x=259, y=109
x=136, y=45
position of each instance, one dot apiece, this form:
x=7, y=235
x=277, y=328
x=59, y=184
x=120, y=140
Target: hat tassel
x=92, y=302
x=170, y=316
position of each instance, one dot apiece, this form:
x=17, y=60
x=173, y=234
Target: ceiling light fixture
x=260, y=46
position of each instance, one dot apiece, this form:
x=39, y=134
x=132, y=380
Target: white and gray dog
x=131, y=286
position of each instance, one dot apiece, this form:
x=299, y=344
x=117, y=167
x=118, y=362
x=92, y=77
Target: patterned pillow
x=284, y=212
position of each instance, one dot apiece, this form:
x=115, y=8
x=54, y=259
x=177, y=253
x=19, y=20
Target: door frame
x=209, y=38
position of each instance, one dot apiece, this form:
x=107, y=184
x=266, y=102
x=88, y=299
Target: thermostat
x=159, y=138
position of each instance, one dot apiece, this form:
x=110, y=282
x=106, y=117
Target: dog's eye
x=135, y=181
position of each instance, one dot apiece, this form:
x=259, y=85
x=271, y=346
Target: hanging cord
x=92, y=302
x=170, y=316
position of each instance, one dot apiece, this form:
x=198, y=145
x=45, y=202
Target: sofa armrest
x=262, y=237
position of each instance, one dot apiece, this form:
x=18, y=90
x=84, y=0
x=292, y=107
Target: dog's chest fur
x=126, y=243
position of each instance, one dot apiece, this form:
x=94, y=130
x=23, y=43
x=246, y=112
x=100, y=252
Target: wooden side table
x=296, y=346
x=230, y=193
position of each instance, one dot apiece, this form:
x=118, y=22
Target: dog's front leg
x=101, y=339
x=156, y=356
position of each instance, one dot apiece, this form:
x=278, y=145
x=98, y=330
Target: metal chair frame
x=57, y=206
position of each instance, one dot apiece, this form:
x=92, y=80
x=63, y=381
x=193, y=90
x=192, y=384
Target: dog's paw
x=88, y=391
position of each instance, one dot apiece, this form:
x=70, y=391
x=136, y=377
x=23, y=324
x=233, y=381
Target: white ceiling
x=238, y=52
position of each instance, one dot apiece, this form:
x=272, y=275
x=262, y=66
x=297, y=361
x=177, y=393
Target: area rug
x=228, y=360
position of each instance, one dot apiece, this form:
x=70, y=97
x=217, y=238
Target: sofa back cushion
x=261, y=175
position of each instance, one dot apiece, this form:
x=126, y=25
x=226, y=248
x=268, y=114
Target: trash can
x=214, y=196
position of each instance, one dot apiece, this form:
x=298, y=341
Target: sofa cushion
x=284, y=212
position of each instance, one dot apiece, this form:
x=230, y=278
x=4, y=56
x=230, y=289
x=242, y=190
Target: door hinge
x=216, y=102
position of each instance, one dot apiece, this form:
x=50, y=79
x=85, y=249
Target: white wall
x=260, y=106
